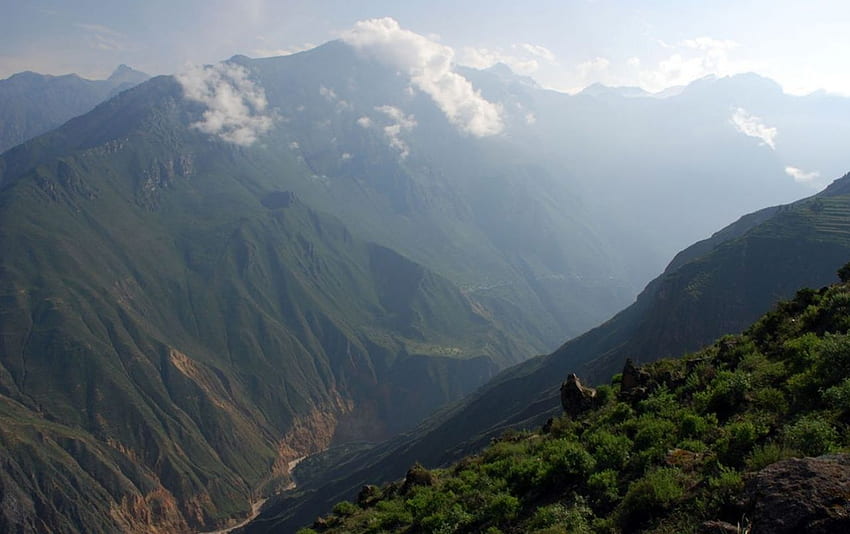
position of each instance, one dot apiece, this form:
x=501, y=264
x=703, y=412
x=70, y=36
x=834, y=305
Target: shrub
x=738, y=440
x=610, y=451
x=603, y=488
x=500, y=508
x=345, y=509
x=811, y=436
x=565, y=462
x=724, y=487
x=653, y=433
x=725, y=394
x=649, y=497
x=557, y=518
x=764, y=455
x=692, y=426
x=838, y=397
x=661, y=403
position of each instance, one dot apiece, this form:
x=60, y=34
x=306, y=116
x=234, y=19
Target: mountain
x=715, y=287
x=657, y=174
x=210, y=276
x=179, y=327
x=749, y=433
x=32, y=104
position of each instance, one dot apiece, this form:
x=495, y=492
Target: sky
x=562, y=44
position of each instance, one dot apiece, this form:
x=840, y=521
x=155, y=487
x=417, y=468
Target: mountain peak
x=125, y=74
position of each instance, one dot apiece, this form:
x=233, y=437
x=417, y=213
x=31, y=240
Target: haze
x=562, y=45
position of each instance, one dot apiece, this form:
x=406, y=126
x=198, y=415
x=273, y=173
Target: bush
x=724, y=488
x=565, y=462
x=693, y=426
x=838, y=397
x=649, y=497
x=610, y=451
x=345, y=509
x=766, y=455
x=725, y=394
x=500, y=508
x=738, y=440
x=653, y=433
x=603, y=488
x=811, y=436
x=557, y=518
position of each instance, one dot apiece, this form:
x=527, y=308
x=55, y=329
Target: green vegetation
x=663, y=459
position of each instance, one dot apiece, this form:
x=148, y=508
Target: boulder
x=635, y=382
x=800, y=495
x=417, y=476
x=575, y=398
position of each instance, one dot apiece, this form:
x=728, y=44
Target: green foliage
x=766, y=454
x=838, y=396
x=611, y=451
x=844, y=273
x=344, y=508
x=668, y=461
x=650, y=496
x=811, y=435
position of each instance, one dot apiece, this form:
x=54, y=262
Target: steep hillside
x=698, y=444
x=184, y=327
x=32, y=104
x=715, y=287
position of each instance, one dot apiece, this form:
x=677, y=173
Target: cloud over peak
x=429, y=66
x=237, y=109
x=801, y=176
x=753, y=126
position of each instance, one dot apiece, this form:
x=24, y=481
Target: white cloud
x=364, y=122
x=753, y=126
x=294, y=145
x=400, y=123
x=483, y=58
x=345, y=156
x=800, y=175
x=331, y=96
x=429, y=66
x=237, y=110
x=692, y=59
x=273, y=52
x=522, y=58
x=593, y=67
x=709, y=44
x=538, y=50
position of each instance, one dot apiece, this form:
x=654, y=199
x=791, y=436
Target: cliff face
x=715, y=287
x=746, y=434
x=176, y=330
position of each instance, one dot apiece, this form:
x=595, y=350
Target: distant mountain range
x=209, y=276
x=32, y=104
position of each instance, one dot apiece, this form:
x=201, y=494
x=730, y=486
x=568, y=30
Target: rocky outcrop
x=417, y=476
x=635, y=382
x=801, y=496
x=575, y=398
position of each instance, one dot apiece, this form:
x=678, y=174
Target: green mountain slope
x=184, y=327
x=715, y=287
x=32, y=104
x=668, y=448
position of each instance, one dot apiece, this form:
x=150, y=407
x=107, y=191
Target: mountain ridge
x=741, y=272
